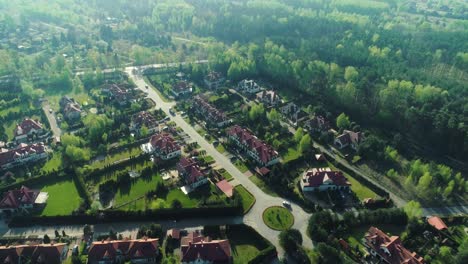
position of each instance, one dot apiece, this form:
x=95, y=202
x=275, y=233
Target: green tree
x=342, y=121
x=298, y=135
x=46, y=239
x=305, y=144
x=256, y=112
x=351, y=74
x=274, y=117
x=413, y=210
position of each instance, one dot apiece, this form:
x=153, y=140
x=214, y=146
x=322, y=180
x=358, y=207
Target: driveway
x=52, y=120
x=263, y=200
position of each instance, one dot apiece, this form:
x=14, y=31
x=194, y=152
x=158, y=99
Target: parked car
x=286, y=204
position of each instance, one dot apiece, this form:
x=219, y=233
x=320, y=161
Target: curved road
x=263, y=200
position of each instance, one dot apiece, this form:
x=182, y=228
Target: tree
x=87, y=230
x=77, y=154
x=305, y=144
x=298, y=135
x=46, y=239
x=351, y=74
x=274, y=117
x=57, y=234
x=256, y=112
x=328, y=254
x=342, y=121
x=176, y=204
x=97, y=125
x=290, y=240
x=413, y=210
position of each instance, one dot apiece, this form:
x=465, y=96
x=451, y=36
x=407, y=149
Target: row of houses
x=212, y=115
x=144, y=119
x=28, y=129
x=38, y=254
x=24, y=153
x=143, y=250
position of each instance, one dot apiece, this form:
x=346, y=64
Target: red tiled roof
x=23, y=150
x=265, y=152
x=144, y=118
x=216, y=251
x=26, y=126
x=164, y=143
x=43, y=253
x=174, y=233
x=318, y=176
x=134, y=249
x=381, y=243
x=212, y=114
x=225, y=187
x=15, y=198
x=437, y=223
x=190, y=170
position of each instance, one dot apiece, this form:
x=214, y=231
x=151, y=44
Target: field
x=136, y=190
x=248, y=200
x=278, y=218
x=63, y=198
x=245, y=243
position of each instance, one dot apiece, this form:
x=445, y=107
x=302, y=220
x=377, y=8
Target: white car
x=286, y=203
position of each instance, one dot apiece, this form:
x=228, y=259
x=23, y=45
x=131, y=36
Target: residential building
x=21, y=155
x=181, y=88
x=190, y=172
x=293, y=113
x=323, y=179
x=256, y=149
x=22, y=200
x=214, y=80
x=144, y=119
x=118, y=94
x=317, y=123
x=28, y=129
x=71, y=110
x=211, y=115
x=269, y=98
x=389, y=249
x=349, y=138
x=196, y=248
x=248, y=86
x=162, y=146
x=143, y=250
x=38, y=254
x=437, y=223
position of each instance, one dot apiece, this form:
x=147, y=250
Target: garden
x=248, y=200
x=63, y=198
x=278, y=218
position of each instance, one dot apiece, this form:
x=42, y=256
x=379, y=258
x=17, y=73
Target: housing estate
x=143, y=250
x=211, y=115
x=389, y=249
x=214, y=80
x=191, y=173
x=248, y=86
x=144, y=119
x=22, y=200
x=349, y=138
x=259, y=151
x=54, y=253
x=162, y=146
x=323, y=179
x=21, y=155
x=28, y=129
x=269, y=98
x=196, y=248
x=71, y=110
x=181, y=88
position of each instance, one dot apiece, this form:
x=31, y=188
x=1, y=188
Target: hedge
x=33, y=180
x=264, y=256
x=115, y=216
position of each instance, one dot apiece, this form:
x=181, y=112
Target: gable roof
x=269, y=96
x=320, y=176
x=23, y=150
x=190, y=170
x=349, y=137
x=182, y=86
x=437, y=223
x=381, y=243
x=213, y=76
x=144, y=118
x=265, y=152
x=26, y=126
x=39, y=254
x=216, y=251
x=14, y=199
x=213, y=114
x=134, y=249
x=164, y=143
x=225, y=187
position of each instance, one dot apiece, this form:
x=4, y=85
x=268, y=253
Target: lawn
x=278, y=218
x=136, y=190
x=241, y=166
x=262, y=185
x=292, y=154
x=111, y=158
x=220, y=148
x=63, y=198
x=53, y=164
x=245, y=243
x=248, y=200
x=227, y=176
x=361, y=191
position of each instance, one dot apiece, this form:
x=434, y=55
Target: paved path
x=263, y=200
x=52, y=120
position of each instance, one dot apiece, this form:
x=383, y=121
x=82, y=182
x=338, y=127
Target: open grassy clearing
x=220, y=148
x=262, y=185
x=54, y=163
x=63, y=198
x=139, y=188
x=248, y=200
x=278, y=218
x=245, y=244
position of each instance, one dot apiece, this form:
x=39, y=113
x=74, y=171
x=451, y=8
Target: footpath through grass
x=278, y=218
x=248, y=200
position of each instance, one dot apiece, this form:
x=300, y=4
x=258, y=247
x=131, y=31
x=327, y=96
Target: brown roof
x=174, y=233
x=349, y=137
x=164, y=143
x=23, y=150
x=15, y=198
x=133, y=249
x=437, y=223
x=211, y=112
x=144, y=118
x=216, y=251
x=190, y=170
x=397, y=253
x=26, y=126
x=39, y=254
x=319, y=176
x=225, y=187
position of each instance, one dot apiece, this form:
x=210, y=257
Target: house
x=28, y=128
x=22, y=154
x=22, y=200
x=196, y=248
x=437, y=223
x=316, y=124
x=293, y=113
x=144, y=119
x=211, y=115
x=226, y=188
x=389, y=249
x=118, y=94
x=259, y=151
x=190, y=172
x=143, y=250
x=213, y=80
x=269, y=98
x=71, y=110
x=39, y=254
x=248, y=86
x=323, y=179
x=162, y=146
x=349, y=138
x=181, y=88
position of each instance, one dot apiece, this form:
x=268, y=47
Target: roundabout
x=278, y=218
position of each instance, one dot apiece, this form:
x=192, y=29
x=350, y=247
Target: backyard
x=248, y=200
x=63, y=198
x=245, y=243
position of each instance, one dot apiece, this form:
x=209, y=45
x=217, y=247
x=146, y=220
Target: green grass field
x=245, y=244
x=292, y=154
x=220, y=148
x=361, y=191
x=248, y=200
x=63, y=198
x=54, y=163
x=109, y=159
x=241, y=166
x=136, y=190
x=262, y=185
x=278, y=218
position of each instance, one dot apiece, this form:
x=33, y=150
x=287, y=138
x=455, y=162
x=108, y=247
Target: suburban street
x=57, y=132
x=263, y=200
